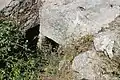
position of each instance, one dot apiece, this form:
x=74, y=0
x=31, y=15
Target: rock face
x=24, y=12
x=92, y=66
x=104, y=42
x=4, y=3
x=62, y=19
x=102, y=62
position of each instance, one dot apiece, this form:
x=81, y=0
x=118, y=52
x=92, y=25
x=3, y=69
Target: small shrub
x=17, y=61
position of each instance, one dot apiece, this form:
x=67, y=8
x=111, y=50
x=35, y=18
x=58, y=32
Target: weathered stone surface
x=108, y=40
x=24, y=12
x=4, y=3
x=103, y=62
x=91, y=66
x=104, y=42
x=63, y=19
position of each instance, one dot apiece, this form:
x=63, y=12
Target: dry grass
x=77, y=46
x=110, y=66
x=70, y=51
x=66, y=55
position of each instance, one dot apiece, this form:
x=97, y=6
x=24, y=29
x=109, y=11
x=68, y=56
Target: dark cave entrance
x=32, y=37
x=48, y=44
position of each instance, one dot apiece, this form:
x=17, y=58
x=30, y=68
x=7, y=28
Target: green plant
x=17, y=61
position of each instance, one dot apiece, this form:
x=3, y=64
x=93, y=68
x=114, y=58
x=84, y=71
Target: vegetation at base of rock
x=109, y=66
x=17, y=61
x=59, y=62
x=77, y=46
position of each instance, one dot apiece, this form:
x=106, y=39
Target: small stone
x=21, y=10
x=105, y=42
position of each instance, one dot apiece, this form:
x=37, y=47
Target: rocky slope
x=65, y=21
x=87, y=33
x=24, y=12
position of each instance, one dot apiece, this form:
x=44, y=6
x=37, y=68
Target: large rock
x=108, y=40
x=62, y=19
x=92, y=66
x=24, y=12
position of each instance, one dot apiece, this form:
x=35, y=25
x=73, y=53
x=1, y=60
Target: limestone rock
x=4, y=3
x=91, y=66
x=104, y=42
x=24, y=12
x=63, y=19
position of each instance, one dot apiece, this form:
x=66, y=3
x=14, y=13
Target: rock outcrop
x=66, y=20
x=62, y=19
x=102, y=62
x=4, y=3
x=24, y=12
x=92, y=65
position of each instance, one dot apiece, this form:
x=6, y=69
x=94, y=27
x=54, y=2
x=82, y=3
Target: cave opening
x=47, y=43
x=32, y=37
